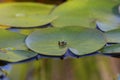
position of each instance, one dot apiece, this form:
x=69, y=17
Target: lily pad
x=112, y=50
x=12, y=40
x=88, y=13
x=56, y=41
x=113, y=36
x=16, y=55
x=25, y=14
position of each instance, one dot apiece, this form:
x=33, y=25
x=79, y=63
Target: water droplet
x=20, y=15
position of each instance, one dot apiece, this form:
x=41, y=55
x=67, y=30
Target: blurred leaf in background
x=86, y=68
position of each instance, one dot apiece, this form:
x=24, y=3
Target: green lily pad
x=12, y=40
x=16, y=55
x=25, y=14
x=113, y=36
x=112, y=50
x=71, y=13
x=56, y=41
x=88, y=13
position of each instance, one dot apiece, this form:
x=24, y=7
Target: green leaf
x=56, y=41
x=112, y=50
x=12, y=40
x=113, y=36
x=16, y=55
x=25, y=14
x=71, y=13
x=88, y=13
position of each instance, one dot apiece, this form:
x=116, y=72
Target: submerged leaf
x=25, y=14
x=56, y=41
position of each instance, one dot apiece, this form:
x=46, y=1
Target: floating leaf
x=56, y=41
x=16, y=55
x=113, y=36
x=88, y=13
x=112, y=50
x=25, y=14
x=71, y=13
x=11, y=40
